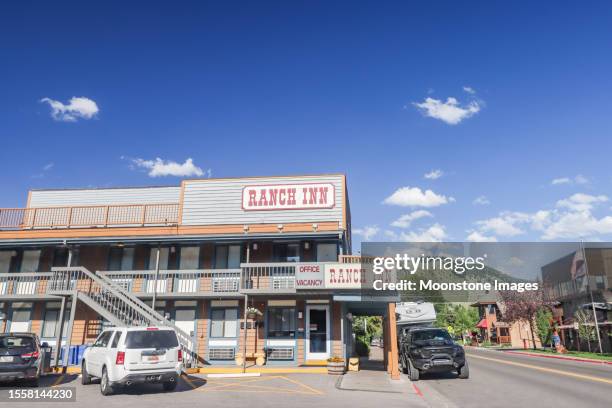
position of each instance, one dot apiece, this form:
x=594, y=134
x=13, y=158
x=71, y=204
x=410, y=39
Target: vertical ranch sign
x=288, y=197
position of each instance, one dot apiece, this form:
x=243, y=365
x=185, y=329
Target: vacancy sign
x=309, y=276
x=288, y=197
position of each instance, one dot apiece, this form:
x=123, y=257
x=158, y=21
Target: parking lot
x=273, y=390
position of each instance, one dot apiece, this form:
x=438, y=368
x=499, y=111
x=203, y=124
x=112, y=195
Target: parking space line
x=58, y=381
x=314, y=390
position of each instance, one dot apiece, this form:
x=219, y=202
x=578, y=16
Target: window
x=164, y=253
x=60, y=257
x=327, y=253
x=50, y=324
x=190, y=258
x=116, y=339
x=281, y=322
x=6, y=258
x=29, y=262
x=287, y=252
x=227, y=256
x=121, y=259
x=20, y=321
x=50, y=321
x=151, y=339
x=224, y=323
x=102, y=341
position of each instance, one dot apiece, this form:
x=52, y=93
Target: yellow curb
x=264, y=370
x=316, y=363
x=69, y=370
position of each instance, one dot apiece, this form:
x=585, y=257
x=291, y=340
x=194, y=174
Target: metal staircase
x=112, y=302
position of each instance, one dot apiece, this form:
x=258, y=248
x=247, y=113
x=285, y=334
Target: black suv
x=20, y=357
x=429, y=349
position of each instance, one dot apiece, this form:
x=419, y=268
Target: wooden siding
x=104, y=196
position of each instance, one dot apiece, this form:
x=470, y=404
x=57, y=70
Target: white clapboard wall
x=104, y=196
x=215, y=202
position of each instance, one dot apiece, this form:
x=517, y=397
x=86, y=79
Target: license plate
x=441, y=362
x=151, y=359
x=6, y=359
x=153, y=378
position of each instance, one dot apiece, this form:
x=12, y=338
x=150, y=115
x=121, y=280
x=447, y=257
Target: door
x=97, y=352
x=185, y=320
x=317, y=332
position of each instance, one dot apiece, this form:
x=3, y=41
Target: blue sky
x=267, y=88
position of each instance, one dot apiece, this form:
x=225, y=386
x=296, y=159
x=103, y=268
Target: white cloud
x=581, y=201
x=571, y=219
x=77, y=108
x=434, y=174
x=48, y=166
x=161, y=168
x=44, y=170
x=415, y=197
x=469, y=90
x=405, y=220
x=476, y=236
x=368, y=232
x=481, y=200
x=506, y=224
x=450, y=112
x=579, y=179
x=434, y=233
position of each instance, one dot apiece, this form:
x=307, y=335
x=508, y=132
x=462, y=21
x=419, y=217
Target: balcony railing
x=24, y=283
x=178, y=282
x=89, y=216
x=268, y=277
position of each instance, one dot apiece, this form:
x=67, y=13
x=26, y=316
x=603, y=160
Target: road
x=501, y=379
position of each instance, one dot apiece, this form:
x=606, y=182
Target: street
x=500, y=379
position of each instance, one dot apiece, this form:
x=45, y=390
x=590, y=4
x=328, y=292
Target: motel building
x=75, y=261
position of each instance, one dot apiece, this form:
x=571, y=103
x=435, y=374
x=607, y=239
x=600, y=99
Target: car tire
x=413, y=371
x=85, y=377
x=404, y=365
x=106, y=388
x=464, y=371
x=169, y=385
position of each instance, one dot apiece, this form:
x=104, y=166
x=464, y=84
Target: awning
x=482, y=324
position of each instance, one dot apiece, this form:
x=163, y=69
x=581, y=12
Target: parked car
x=21, y=357
x=431, y=350
x=124, y=356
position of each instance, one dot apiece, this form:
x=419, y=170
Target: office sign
x=288, y=197
x=344, y=276
x=309, y=276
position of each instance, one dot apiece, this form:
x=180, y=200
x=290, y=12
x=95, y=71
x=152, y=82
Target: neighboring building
x=565, y=283
x=190, y=255
x=493, y=328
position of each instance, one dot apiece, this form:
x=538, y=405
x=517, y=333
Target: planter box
x=335, y=368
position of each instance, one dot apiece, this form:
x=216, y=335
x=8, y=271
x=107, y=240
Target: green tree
x=586, y=326
x=543, y=325
x=456, y=318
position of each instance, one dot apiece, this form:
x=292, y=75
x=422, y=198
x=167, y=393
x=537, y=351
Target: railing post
x=144, y=214
x=69, y=221
x=69, y=333
x=106, y=216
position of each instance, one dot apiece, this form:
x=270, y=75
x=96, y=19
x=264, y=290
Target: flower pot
x=335, y=368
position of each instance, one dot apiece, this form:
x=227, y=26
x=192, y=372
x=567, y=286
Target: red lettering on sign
x=323, y=196
x=291, y=198
x=252, y=198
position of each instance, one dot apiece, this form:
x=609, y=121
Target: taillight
x=33, y=355
x=180, y=355
x=120, y=358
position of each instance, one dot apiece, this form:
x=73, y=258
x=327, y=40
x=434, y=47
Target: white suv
x=125, y=356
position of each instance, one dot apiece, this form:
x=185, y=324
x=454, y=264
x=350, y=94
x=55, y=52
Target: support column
x=60, y=325
x=394, y=356
x=69, y=332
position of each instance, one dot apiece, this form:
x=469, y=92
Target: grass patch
x=577, y=354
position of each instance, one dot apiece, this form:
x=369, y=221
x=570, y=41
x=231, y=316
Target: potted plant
x=335, y=366
x=253, y=313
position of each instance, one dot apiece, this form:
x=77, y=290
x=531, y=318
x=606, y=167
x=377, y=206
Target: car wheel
x=464, y=371
x=413, y=371
x=169, y=385
x=85, y=377
x=105, y=386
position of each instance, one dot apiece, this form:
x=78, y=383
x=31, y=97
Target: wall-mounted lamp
x=245, y=228
x=306, y=245
x=315, y=227
x=280, y=227
x=172, y=249
x=255, y=246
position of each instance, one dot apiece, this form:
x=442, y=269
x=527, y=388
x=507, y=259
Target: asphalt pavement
x=501, y=379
